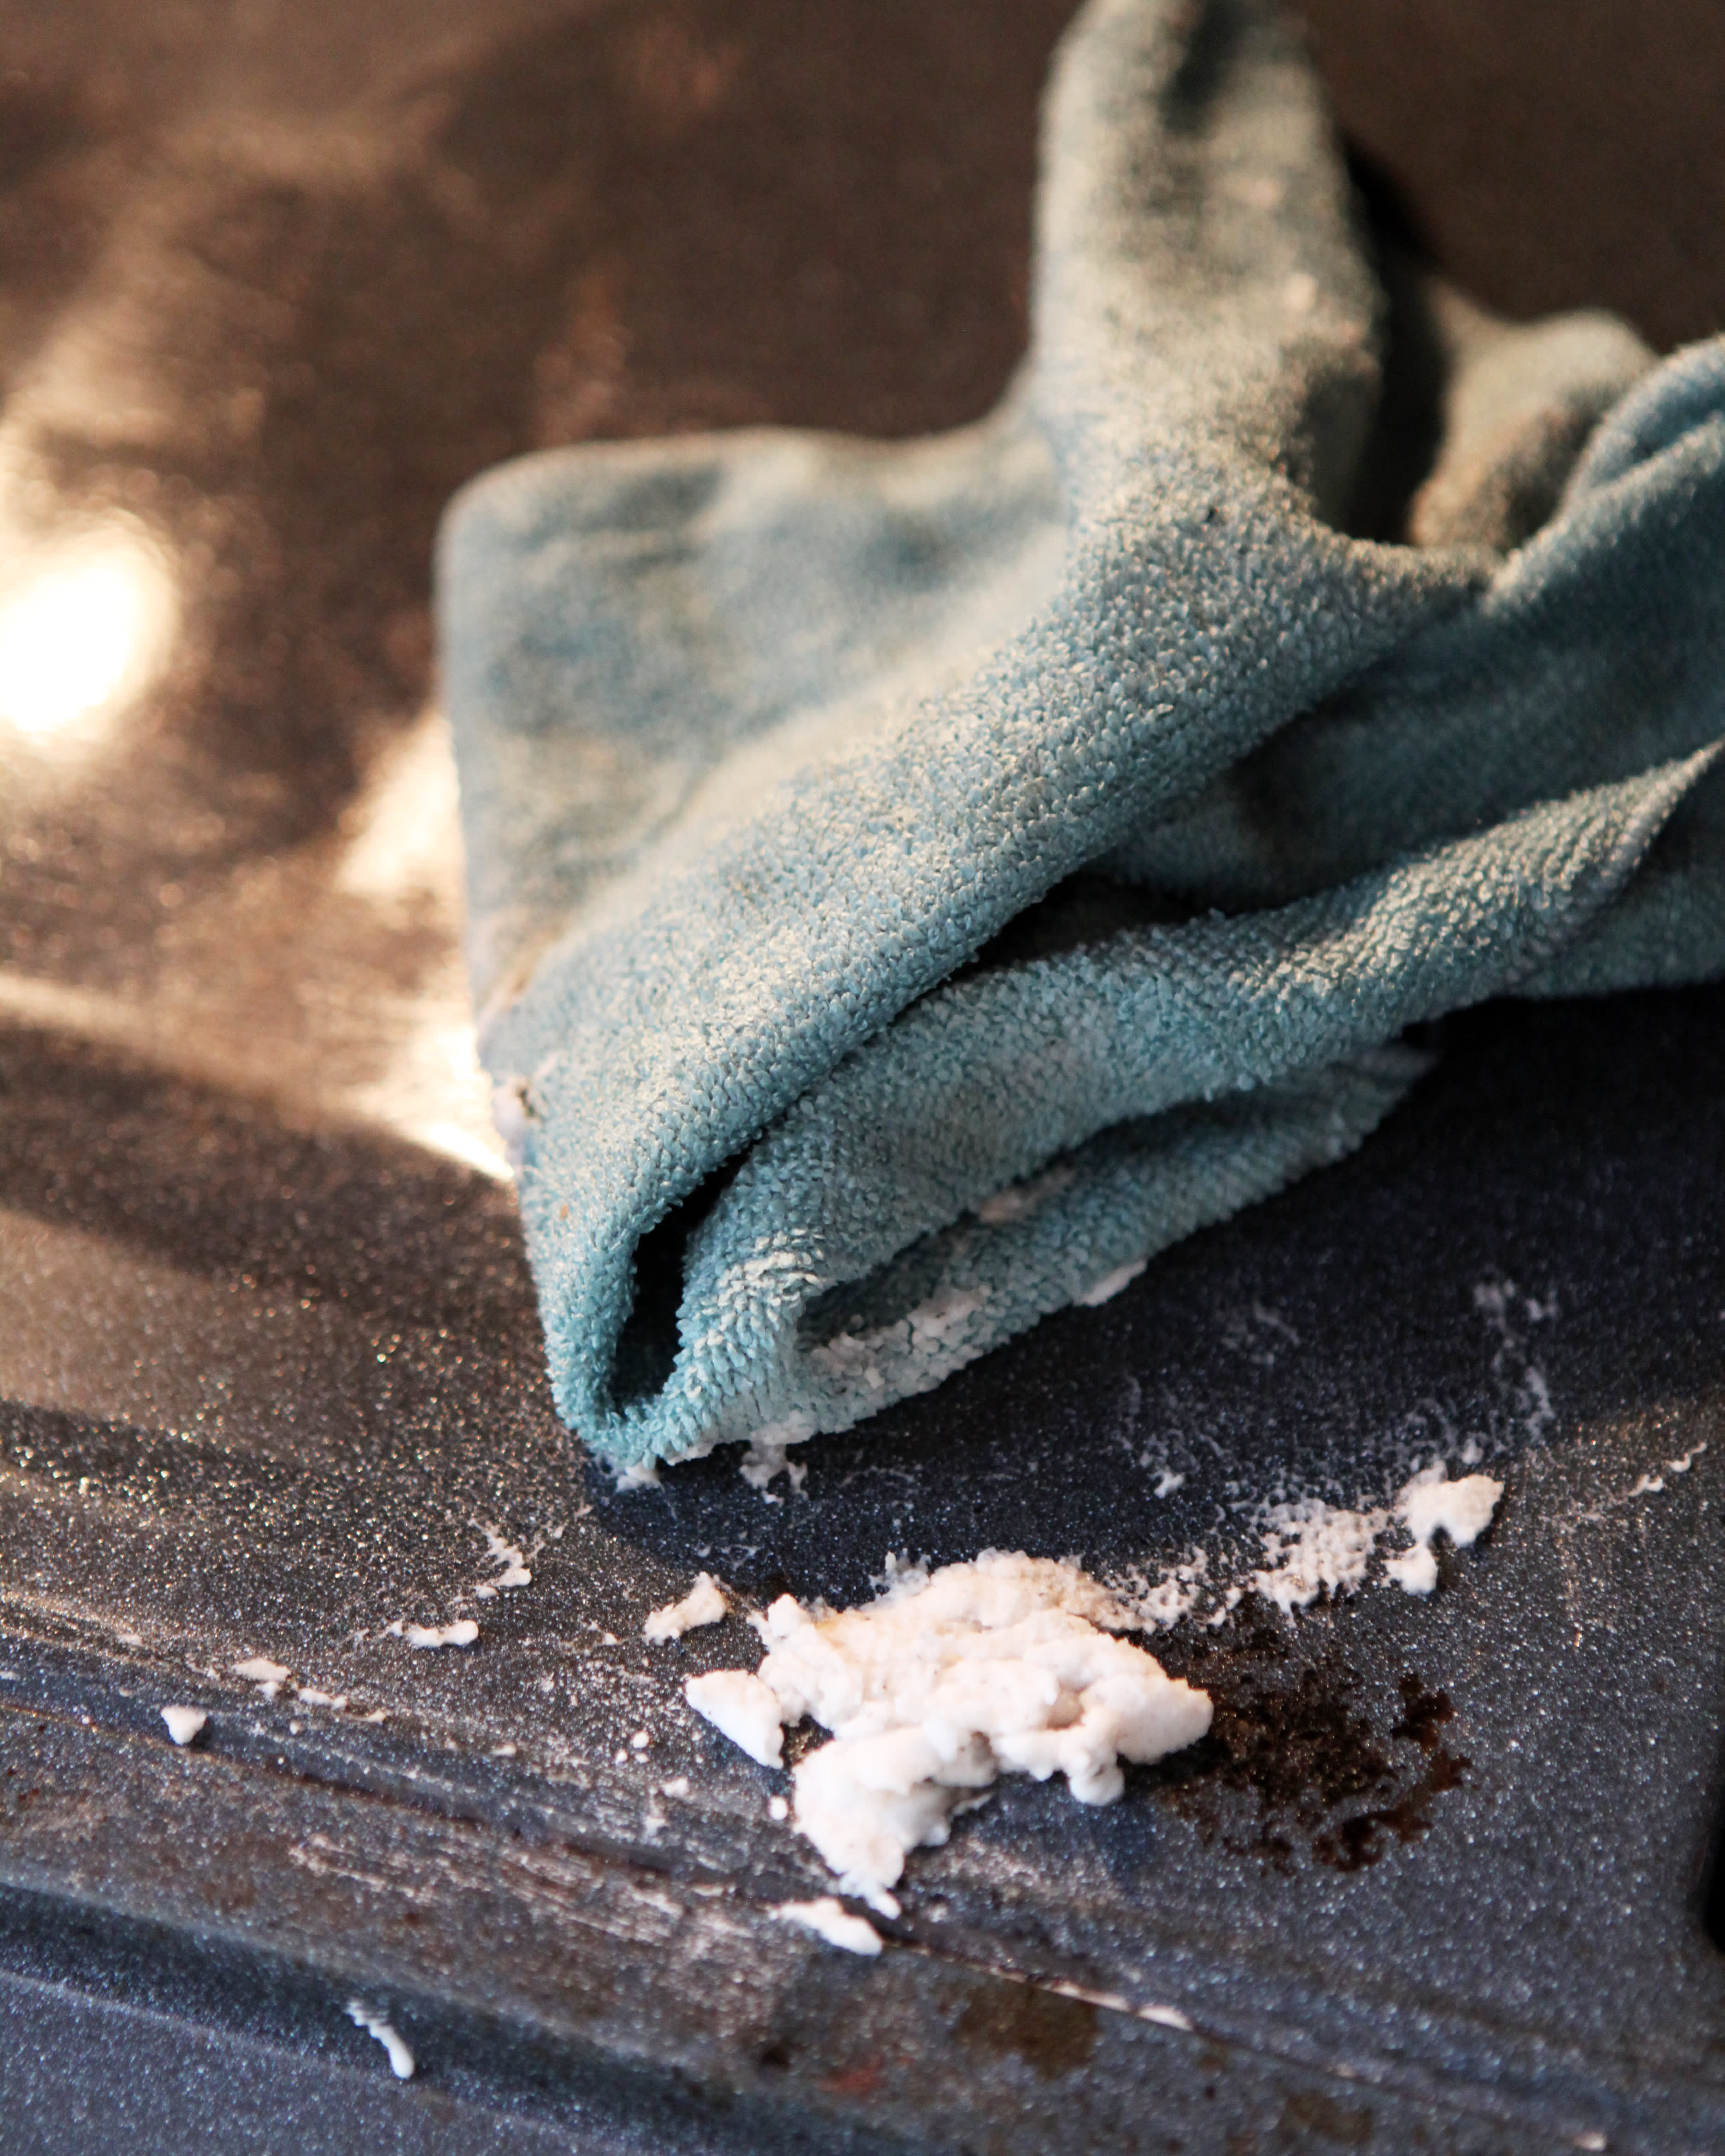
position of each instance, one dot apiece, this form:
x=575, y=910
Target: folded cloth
x=910, y=884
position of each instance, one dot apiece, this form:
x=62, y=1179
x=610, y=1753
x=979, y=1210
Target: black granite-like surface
x=272, y=281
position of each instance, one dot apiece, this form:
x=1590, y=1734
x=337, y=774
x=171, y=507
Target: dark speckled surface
x=272, y=281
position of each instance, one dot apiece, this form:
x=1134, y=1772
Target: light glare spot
x=84, y=633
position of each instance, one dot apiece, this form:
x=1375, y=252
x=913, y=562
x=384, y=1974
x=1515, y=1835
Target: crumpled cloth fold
x=911, y=883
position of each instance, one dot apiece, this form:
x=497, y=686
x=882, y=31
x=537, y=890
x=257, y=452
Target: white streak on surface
x=833, y=1923
x=461, y=1633
x=261, y=1671
x=400, y=2059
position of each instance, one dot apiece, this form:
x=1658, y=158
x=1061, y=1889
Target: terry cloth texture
x=910, y=884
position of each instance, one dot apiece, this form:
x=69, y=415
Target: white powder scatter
x=835, y=1923
x=641, y=1739
x=183, y=1722
x=1109, y=1285
x=461, y=1633
x=400, y=2059
x=1312, y=1547
x=1166, y=1482
x=949, y=1679
x=261, y=1671
x=742, y=1708
x=703, y=1604
x=677, y=1786
x=1163, y=1606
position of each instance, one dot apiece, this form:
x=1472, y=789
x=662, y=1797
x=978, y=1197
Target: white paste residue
x=261, y=1671
x=1109, y=1285
x=461, y=1633
x=1165, y=2017
x=183, y=1722
x=764, y=1457
x=1431, y=1503
x=400, y=2059
x=1312, y=1547
x=1415, y=1571
x=742, y=1708
x=513, y=1565
x=834, y=1922
x=947, y=1681
x=703, y=1604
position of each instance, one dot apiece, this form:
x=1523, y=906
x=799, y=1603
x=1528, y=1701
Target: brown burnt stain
x=1293, y=1741
x=1309, y=2117
x=1052, y=2033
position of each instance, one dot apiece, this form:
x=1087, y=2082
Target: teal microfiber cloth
x=911, y=883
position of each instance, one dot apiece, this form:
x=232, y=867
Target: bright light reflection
x=85, y=633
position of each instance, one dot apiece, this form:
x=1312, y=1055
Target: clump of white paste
x=833, y=1922
x=183, y=1722
x=947, y=1680
x=703, y=1604
x=400, y=2059
x=1462, y=1510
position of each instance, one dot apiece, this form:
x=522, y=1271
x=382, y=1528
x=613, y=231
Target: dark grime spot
x=1292, y=1755
x=1050, y=2032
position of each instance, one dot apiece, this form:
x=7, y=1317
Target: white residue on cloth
x=1109, y=1285
x=400, y=2059
x=925, y=1337
x=834, y=1922
x=703, y=1604
x=1006, y=1665
x=1020, y=1200
x=183, y=1722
